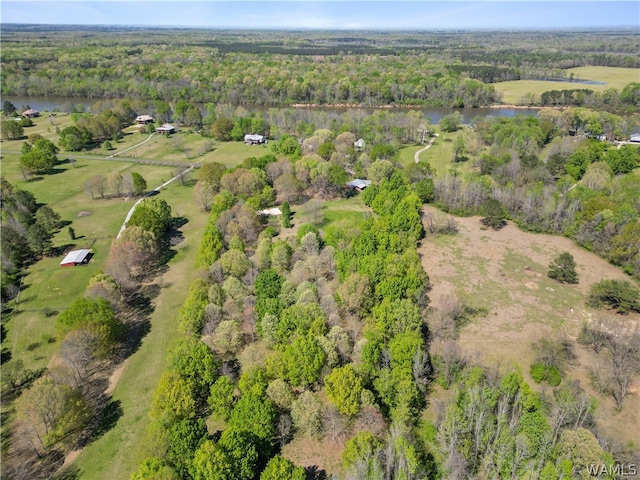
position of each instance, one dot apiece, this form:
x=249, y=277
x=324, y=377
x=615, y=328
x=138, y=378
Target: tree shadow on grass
x=109, y=417
x=315, y=473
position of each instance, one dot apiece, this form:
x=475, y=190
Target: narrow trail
x=416, y=156
x=132, y=147
x=148, y=194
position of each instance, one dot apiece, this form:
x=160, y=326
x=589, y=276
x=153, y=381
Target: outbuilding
x=166, y=129
x=76, y=257
x=31, y=113
x=270, y=211
x=255, y=139
x=144, y=119
x=358, y=184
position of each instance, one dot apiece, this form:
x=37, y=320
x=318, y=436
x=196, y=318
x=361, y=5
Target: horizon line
x=319, y=29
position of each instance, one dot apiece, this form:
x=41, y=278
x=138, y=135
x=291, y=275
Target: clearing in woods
x=513, y=92
x=505, y=272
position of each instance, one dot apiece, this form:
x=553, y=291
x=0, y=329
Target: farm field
x=513, y=92
x=505, y=272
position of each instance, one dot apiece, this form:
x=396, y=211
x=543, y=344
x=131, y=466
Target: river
x=66, y=104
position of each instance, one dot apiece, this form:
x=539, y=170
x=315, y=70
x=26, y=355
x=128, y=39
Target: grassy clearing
x=117, y=453
x=49, y=289
x=44, y=125
x=180, y=147
x=514, y=92
x=232, y=154
x=407, y=155
x=46, y=285
x=344, y=208
x=440, y=155
x=505, y=273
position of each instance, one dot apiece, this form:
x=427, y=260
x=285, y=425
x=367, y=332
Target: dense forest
x=441, y=69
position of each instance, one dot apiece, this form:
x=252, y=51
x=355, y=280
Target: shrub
x=619, y=295
x=563, y=269
x=541, y=372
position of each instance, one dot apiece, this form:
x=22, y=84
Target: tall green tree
x=153, y=215
x=11, y=130
x=344, y=389
x=280, y=468
x=52, y=410
x=563, y=268
x=138, y=184
x=96, y=316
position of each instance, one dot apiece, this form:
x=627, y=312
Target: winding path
x=416, y=156
x=148, y=194
x=133, y=146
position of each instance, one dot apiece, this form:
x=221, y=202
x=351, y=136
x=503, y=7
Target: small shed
x=31, y=113
x=359, y=145
x=254, y=139
x=76, y=257
x=144, y=119
x=166, y=129
x=358, y=184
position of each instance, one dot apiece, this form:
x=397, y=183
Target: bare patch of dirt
x=70, y=458
x=322, y=454
x=83, y=213
x=115, y=378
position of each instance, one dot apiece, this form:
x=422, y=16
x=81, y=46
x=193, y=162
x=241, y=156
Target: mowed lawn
x=184, y=146
x=614, y=77
x=117, y=453
x=47, y=288
x=440, y=154
x=232, y=154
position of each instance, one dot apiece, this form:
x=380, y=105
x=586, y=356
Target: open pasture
x=505, y=272
x=514, y=92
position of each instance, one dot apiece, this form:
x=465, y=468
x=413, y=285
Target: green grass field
x=440, y=155
x=48, y=288
x=117, y=453
x=180, y=147
x=232, y=154
x=514, y=92
x=344, y=208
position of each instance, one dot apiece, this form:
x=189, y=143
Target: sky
x=332, y=15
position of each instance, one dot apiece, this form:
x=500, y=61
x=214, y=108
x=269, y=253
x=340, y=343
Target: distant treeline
x=487, y=73
x=276, y=68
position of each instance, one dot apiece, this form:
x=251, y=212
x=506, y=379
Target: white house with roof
x=254, y=139
x=144, y=119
